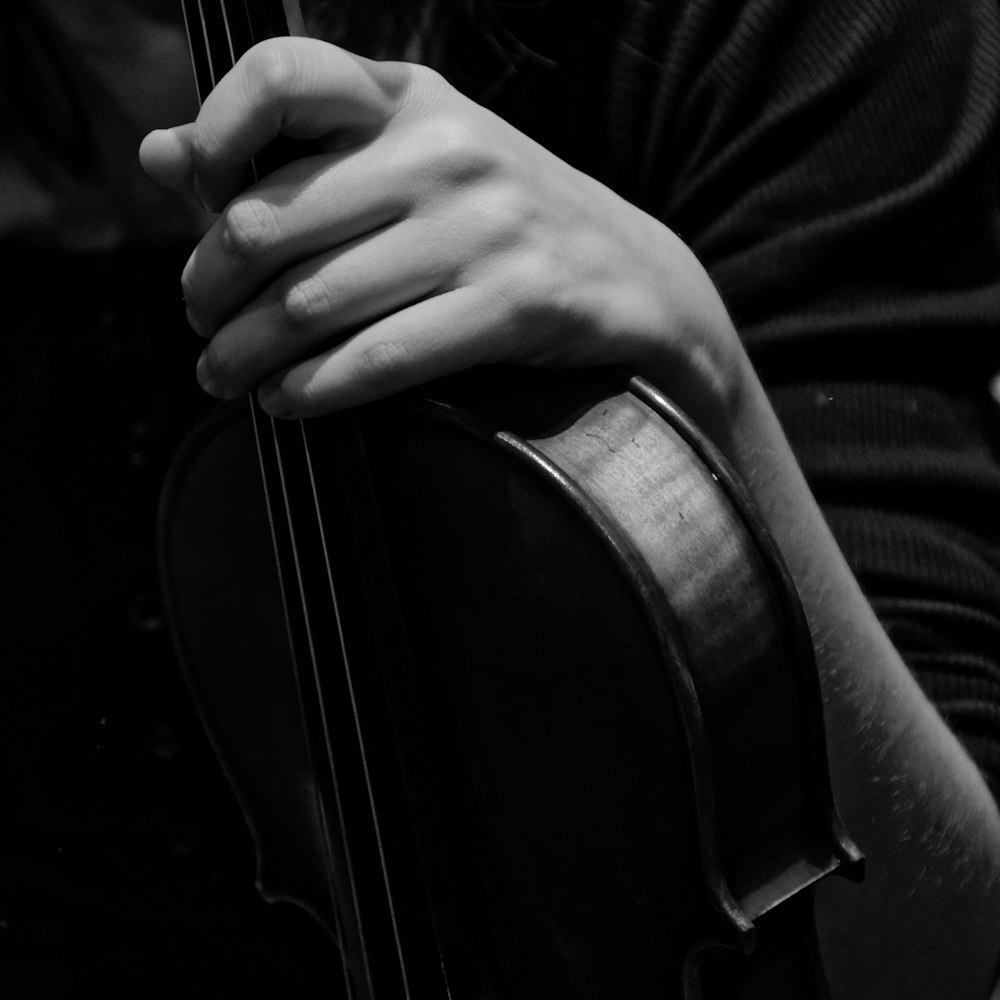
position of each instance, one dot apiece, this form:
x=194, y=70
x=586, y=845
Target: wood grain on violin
x=529, y=708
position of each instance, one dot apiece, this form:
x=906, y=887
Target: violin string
x=276, y=451
x=214, y=74
x=325, y=727
x=356, y=714
x=338, y=804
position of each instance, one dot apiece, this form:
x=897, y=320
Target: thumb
x=165, y=155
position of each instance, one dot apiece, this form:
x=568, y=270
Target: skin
x=422, y=235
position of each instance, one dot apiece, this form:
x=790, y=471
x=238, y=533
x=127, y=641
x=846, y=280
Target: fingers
x=301, y=210
x=447, y=333
x=165, y=156
x=299, y=87
x=322, y=300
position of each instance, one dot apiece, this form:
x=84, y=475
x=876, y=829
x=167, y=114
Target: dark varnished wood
x=600, y=709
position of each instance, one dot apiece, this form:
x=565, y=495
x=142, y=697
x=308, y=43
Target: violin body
x=565, y=740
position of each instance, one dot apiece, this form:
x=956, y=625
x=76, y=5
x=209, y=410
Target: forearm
x=926, y=921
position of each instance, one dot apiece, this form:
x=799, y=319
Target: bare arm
x=926, y=921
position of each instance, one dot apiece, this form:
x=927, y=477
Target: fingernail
x=272, y=400
x=197, y=325
x=205, y=379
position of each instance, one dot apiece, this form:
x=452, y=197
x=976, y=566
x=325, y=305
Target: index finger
x=299, y=87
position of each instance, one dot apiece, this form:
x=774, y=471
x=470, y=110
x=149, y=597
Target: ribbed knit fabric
x=834, y=165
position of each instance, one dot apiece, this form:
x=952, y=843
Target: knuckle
x=271, y=68
x=532, y=272
x=250, y=228
x=414, y=84
x=306, y=396
x=380, y=363
x=425, y=78
x=203, y=150
x=507, y=217
x=430, y=87
x=450, y=148
x=505, y=227
x=306, y=303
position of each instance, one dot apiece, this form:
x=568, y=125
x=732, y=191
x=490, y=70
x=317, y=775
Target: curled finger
x=322, y=300
x=299, y=87
x=438, y=336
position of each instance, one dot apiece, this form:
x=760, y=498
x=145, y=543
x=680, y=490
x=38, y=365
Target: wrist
x=706, y=373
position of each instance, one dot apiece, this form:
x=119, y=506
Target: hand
x=422, y=235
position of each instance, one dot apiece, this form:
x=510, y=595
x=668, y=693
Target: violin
x=508, y=677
